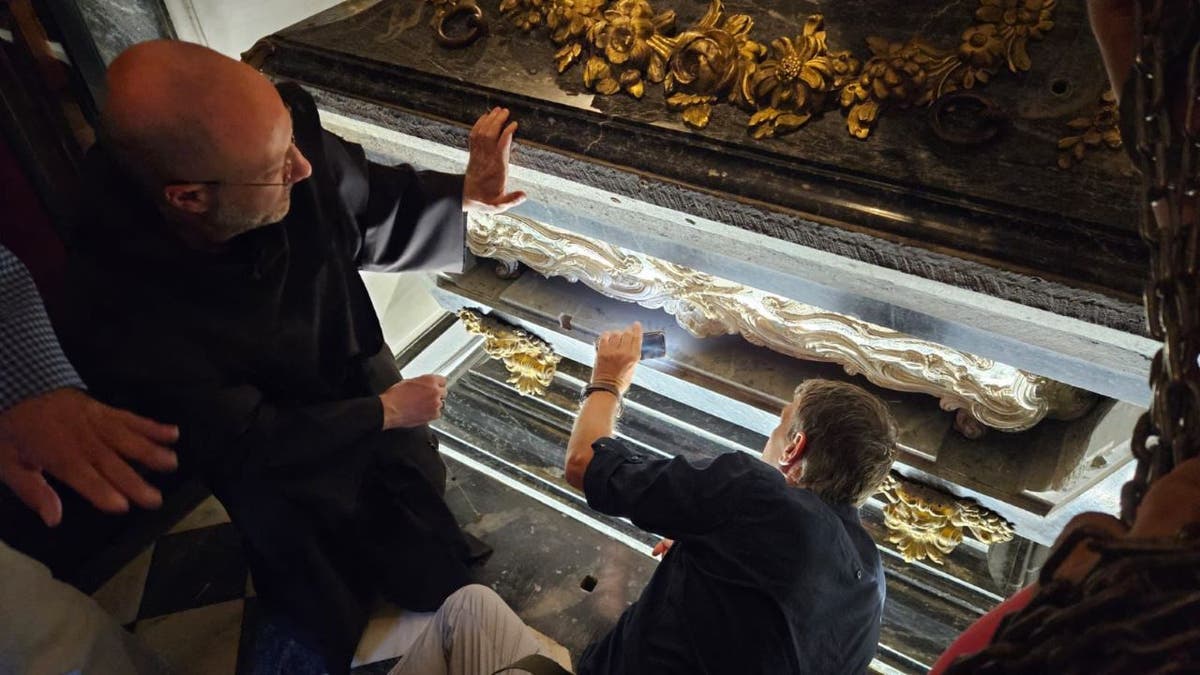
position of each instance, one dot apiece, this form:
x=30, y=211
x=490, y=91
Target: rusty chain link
x=1169, y=432
x=1134, y=610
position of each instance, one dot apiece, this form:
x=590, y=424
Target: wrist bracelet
x=601, y=386
x=594, y=387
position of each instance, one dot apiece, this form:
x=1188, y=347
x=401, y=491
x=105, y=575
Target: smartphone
x=654, y=345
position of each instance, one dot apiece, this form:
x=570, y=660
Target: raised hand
x=617, y=355
x=413, y=402
x=487, y=169
x=86, y=445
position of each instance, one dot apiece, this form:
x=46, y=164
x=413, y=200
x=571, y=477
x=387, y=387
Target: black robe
x=270, y=358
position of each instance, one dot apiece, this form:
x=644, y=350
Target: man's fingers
x=87, y=481
x=509, y=200
x=497, y=123
x=127, y=481
x=507, y=135
x=488, y=128
x=146, y=452
x=438, y=381
x=32, y=489
x=158, y=432
x=631, y=335
x=477, y=128
x=482, y=130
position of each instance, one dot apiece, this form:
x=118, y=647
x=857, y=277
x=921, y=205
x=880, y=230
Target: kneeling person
x=772, y=571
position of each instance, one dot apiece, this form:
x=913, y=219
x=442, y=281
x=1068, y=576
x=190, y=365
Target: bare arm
x=596, y=419
x=617, y=354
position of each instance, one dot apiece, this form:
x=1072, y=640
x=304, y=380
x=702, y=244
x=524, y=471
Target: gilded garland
x=625, y=44
x=927, y=524
x=1100, y=130
x=530, y=360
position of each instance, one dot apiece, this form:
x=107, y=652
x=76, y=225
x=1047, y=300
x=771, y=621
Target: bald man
x=216, y=287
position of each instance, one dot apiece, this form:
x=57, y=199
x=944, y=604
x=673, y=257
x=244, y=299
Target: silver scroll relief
x=996, y=395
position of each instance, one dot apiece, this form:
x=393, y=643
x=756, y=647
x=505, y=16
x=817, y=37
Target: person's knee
x=475, y=608
x=474, y=599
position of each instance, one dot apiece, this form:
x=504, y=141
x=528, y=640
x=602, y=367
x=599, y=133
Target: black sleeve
x=406, y=219
x=238, y=428
x=226, y=425
x=671, y=497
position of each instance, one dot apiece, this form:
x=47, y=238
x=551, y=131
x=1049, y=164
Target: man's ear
x=194, y=198
x=794, y=450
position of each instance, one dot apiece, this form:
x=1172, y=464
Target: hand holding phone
x=654, y=345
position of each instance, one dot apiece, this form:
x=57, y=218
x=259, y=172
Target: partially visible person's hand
x=413, y=402
x=662, y=547
x=617, y=356
x=487, y=169
x=1113, y=25
x=86, y=445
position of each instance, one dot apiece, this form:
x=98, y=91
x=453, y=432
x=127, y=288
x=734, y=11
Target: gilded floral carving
x=527, y=14
x=795, y=79
x=915, y=73
x=1099, y=130
x=625, y=44
x=707, y=61
x=1016, y=22
x=927, y=524
x=900, y=74
x=570, y=21
x=627, y=48
x=530, y=360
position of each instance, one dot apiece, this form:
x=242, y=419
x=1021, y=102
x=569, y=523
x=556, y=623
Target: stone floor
x=189, y=596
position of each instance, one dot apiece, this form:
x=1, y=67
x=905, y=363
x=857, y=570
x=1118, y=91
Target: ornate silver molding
x=997, y=395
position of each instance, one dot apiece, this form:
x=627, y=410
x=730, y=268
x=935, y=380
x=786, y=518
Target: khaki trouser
x=49, y=627
x=473, y=633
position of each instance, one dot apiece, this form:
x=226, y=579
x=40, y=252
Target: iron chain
x=1169, y=432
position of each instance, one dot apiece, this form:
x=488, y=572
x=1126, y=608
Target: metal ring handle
x=990, y=117
x=476, y=25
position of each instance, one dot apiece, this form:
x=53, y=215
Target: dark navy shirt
x=763, y=578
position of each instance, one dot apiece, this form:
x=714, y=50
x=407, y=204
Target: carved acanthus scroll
x=926, y=524
x=997, y=395
x=530, y=359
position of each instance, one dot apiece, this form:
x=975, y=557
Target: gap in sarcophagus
x=1036, y=478
x=510, y=448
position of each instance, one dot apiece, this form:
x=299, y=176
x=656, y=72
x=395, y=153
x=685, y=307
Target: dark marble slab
x=117, y=24
x=1005, y=204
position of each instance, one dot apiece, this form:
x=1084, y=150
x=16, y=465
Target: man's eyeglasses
x=286, y=176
